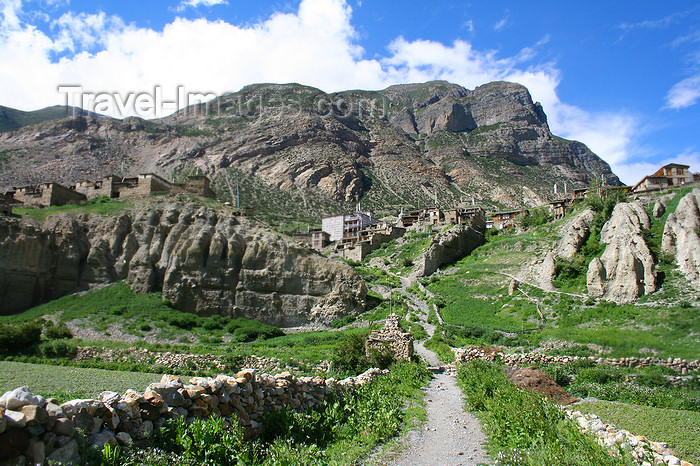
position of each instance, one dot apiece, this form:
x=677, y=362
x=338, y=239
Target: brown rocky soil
x=536, y=380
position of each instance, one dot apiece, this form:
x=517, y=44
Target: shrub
x=181, y=320
x=58, y=349
x=19, y=338
x=349, y=354
x=56, y=332
x=248, y=330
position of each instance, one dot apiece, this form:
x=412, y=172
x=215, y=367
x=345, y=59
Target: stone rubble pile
x=527, y=359
x=34, y=430
x=644, y=452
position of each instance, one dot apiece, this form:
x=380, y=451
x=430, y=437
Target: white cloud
x=198, y=3
x=684, y=94
x=501, y=24
x=317, y=45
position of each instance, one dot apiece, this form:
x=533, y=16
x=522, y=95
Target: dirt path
x=450, y=436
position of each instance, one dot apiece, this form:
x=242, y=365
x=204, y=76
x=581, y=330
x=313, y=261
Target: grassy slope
x=67, y=383
x=475, y=294
x=681, y=429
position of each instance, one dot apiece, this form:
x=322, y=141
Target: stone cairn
x=391, y=336
x=34, y=430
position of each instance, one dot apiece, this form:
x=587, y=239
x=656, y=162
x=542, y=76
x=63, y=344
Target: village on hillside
x=351, y=236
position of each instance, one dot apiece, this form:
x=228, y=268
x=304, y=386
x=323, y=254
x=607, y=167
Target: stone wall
x=525, y=359
x=34, y=430
x=393, y=337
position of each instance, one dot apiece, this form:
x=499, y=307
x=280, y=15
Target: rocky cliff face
x=625, y=271
x=682, y=236
x=203, y=260
x=313, y=153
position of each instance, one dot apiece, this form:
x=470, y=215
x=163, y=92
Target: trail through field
x=450, y=436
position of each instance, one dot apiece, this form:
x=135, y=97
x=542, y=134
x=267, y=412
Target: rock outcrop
x=447, y=247
x=682, y=236
x=574, y=235
x=625, y=271
x=204, y=261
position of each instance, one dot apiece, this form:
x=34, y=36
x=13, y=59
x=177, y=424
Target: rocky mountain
x=11, y=118
x=203, y=260
x=297, y=152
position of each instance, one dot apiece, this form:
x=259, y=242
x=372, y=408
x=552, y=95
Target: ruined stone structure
x=391, y=336
x=197, y=185
x=47, y=194
x=144, y=185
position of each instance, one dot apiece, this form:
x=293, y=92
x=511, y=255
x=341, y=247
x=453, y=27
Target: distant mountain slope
x=11, y=118
x=296, y=152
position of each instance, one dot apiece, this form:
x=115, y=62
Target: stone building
x=47, y=194
x=196, y=185
x=346, y=228
x=319, y=239
x=144, y=185
x=668, y=176
x=391, y=336
x=507, y=219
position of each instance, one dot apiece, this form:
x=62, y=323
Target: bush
x=349, y=354
x=56, y=332
x=248, y=330
x=58, y=349
x=181, y=320
x=19, y=338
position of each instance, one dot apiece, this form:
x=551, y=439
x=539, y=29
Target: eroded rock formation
x=682, y=236
x=447, y=247
x=625, y=271
x=574, y=235
x=203, y=260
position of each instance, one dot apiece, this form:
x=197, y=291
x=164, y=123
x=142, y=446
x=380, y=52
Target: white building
x=347, y=227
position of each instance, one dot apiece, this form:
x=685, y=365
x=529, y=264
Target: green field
x=66, y=383
x=680, y=429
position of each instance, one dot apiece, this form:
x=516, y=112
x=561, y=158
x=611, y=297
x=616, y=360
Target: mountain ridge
x=406, y=145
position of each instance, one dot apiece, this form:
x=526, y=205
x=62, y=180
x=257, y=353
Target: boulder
x=64, y=426
x=659, y=209
x=35, y=414
x=15, y=418
x=36, y=452
x=19, y=397
x=13, y=442
x=67, y=454
x=681, y=236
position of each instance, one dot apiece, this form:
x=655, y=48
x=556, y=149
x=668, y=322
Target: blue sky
x=622, y=77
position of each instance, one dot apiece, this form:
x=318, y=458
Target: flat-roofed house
x=347, y=227
x=48, y=194
x=668, y=176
